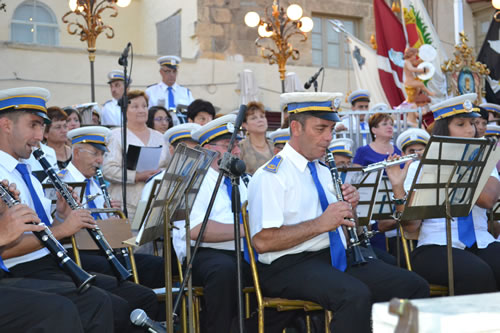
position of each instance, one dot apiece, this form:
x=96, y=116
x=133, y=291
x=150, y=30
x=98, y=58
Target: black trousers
x=28, y=305
x=393, y=250
x=215, y=270
x=475, y=270
x=125, y=296
x=310, y=276
x=151, y=269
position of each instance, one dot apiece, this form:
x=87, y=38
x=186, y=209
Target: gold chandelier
x=90, y=11
x=279, y=25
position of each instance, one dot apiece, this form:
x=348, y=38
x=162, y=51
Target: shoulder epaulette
x=274, y=164
x=62, y=173
x=154, y=84
x=323, y=163
x=107, y=102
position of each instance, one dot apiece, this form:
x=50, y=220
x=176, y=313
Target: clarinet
x=353, y=242
x=104, y=188
x=96, y=234
x=81, y=278
x=107, y=201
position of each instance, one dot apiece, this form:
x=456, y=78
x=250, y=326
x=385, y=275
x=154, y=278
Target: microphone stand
x=123, y=102
x=315, y=85
x=232, y=167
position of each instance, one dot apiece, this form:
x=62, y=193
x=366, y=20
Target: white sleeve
x=266, y=201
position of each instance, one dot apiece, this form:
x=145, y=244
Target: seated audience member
x=159, y=119
x=381, y=147
x=200, y=112
x=256, y=149
x=74, y=119
x=138, y=134
x=55, y=135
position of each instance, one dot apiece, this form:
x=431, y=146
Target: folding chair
x=280, y=304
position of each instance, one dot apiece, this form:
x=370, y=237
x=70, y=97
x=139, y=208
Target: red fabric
x=389, y=35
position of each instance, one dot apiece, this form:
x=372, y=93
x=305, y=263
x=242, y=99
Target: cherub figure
x=412, y=82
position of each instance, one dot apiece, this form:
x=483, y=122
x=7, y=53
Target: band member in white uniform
x=295, y=220
x=111, y=112
x=168, y=92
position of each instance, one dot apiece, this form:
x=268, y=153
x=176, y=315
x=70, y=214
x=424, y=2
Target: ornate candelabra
x=90, y=11
x=279, y=26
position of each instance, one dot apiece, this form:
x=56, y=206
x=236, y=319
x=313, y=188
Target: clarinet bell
x=82, y=279
x=121, y=272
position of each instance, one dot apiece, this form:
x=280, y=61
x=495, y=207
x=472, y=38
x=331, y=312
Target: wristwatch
x=399, y=202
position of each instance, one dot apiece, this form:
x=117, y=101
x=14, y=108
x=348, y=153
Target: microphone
x=139, y=318
x=239, y=119
x=123, y=58
x=313, y=78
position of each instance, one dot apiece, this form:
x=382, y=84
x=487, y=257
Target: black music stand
x=367, y=185
x=176, y=182
x=182, y=213
x=447, y=183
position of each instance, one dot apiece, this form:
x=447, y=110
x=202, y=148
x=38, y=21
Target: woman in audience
x=159, y=119
x=381, y=129
x=55, y=135
x=139, y=135
x=256, y=149
x=476, y=266
x=74, y=119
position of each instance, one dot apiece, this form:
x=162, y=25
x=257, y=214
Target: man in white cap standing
x=111, y=114
x=168, y=92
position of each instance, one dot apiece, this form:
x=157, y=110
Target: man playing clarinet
x=296, y=226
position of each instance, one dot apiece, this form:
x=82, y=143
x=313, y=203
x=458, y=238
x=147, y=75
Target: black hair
x=441, y=126
x=200, y=105
x=151, y=116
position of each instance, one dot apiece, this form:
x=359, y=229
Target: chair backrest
x=253, y=264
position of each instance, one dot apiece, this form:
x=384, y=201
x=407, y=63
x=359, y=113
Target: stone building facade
x=211, y=38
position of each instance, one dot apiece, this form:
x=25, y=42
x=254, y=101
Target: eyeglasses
x=162, y=119
x=99, y=153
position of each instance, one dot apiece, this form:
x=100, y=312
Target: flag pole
x=458, y=10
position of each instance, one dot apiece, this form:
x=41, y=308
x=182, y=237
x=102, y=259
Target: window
x=329, y=48
x=34, y=23
x=168, y=35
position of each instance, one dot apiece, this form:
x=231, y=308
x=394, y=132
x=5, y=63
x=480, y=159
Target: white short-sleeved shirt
x=111, y=113
x=221, y=211
x=288, y=197
x=158, y=95
x=8, y=171
x=72, y=174
x=433, y=231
